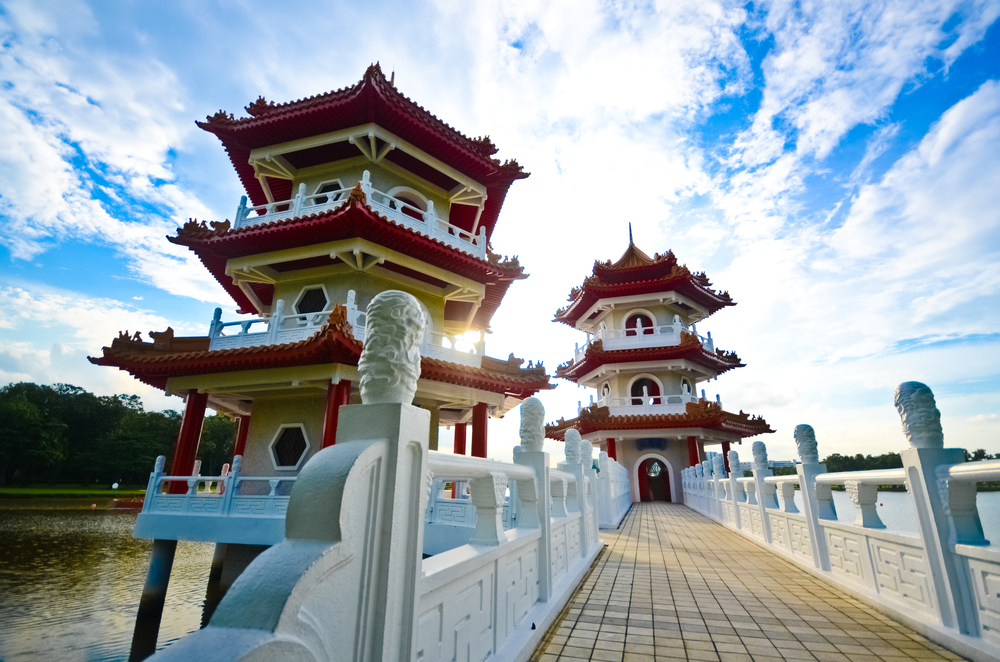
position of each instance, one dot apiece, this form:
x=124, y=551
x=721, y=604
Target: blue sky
x=833, y=165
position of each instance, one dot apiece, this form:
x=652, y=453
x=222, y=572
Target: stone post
x=817, y=500
x=933, y=501
x=534, y=496
x=765, y=491
x=734, y=487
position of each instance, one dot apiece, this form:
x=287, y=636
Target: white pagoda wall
x=269, y=414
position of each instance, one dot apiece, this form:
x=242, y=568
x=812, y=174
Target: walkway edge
x=949, y=640
x=545, y=615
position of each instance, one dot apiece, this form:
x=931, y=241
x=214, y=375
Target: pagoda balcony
x=668, y=335
x=279, y=329
x=398, y=211
x=647, y=405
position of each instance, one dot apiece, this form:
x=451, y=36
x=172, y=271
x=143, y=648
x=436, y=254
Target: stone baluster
x=817, y=499
x=274, y=325
x=535, y=495
x=933, y=502
x=788, y=497
x=215, y=328
x=299, y=199
x=864, y=496
x=366, y=185
x=750, y=487
x=488, y=494
x=559, y=497
x=241, y=213
x=765, y=491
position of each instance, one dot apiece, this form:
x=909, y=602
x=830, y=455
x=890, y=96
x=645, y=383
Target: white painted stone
x=390, y=361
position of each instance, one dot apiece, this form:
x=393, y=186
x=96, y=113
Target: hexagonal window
x=334, y=188
x=313, y=300
x=289, y=447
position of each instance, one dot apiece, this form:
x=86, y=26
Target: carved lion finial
x=586, y=453
x=919, y=414
x=734, y=463
x=699, y=471
x=720, y=466
x=759, y=451
x=572, y=443
x=390, y=360
x=532, y=424
x=805, y=443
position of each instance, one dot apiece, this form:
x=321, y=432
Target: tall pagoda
x=646, y=360
x=348, y=194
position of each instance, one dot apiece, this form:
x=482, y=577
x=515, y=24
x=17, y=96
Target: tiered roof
x=635, y=273
x=354, y=218
x=703, y=414
x=154, y=363
x=373, y=100
x=690, y=348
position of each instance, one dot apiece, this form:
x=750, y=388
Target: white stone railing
x=613, y=496
x=446, y=510
x=667, y=335
x=944, y=581
x=647, y=404
x=215, y=508
x=281, y=328
x=349, y=581
x=400, y=212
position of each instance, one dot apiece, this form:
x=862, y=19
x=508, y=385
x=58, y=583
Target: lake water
x=70, y=580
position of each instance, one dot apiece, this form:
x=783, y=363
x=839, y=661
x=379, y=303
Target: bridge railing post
x=765, y=491
x=536, y=495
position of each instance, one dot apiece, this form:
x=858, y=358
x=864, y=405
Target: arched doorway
x=644, y=391
x=654, y=480
x=639, y=324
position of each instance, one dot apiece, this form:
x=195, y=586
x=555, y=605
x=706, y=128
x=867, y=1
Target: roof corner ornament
x=532, y=424
x=390, y=359
x=919, y=414
x=805, y=444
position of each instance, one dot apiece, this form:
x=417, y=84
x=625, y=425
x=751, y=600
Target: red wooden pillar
x=337, y=395
x=480, y=416
x=612, y=449
x=693, y=456
x=188, y=439
x=242, y=430
x=460, y=429
x=725, y=455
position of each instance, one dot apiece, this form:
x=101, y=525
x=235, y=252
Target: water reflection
x=70, y=583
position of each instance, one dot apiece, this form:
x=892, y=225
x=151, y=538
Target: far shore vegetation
x=61, y=440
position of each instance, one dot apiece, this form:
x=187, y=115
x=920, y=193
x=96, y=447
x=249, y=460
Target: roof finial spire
x=630, y=233
x=392, y=77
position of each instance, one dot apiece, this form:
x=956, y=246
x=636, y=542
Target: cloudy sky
x=833, y=165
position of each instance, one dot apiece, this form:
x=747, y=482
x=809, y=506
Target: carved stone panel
x=901, y=573
x=799, y=539
x=986, y=585
x=845, y=555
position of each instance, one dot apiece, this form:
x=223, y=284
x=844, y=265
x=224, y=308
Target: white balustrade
x=944, y=580
x=398, y=211
x=666, y=335
x=349, y=580
x=647, y=405
x=230, y=508
x=281, y=328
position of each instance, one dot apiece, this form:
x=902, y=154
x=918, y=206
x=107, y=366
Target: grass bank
x=71, y=492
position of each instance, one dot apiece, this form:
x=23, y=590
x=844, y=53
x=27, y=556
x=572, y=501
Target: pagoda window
x=289, y=446
x=335, y=188
x=311, y=300
x=652, y=389
x=639, y=324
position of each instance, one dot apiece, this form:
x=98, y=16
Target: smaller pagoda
x=647, y=361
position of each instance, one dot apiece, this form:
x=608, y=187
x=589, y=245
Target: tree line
x=64, y=434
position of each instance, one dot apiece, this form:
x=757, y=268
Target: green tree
x=32, y=445
x=217, y=438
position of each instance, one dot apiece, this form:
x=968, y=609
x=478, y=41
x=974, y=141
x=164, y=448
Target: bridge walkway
x=674, y=585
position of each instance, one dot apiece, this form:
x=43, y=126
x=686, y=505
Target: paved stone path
x=674, y=585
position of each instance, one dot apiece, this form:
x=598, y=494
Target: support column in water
x=147, y=620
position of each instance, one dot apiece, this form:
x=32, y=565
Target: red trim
x=460, y=431
x=689, y=349
x=692, y=451
x=480, y=419
x=612, y=449
x=188, y=439
x=702, y=414
x=725, y=455
x=242, y=430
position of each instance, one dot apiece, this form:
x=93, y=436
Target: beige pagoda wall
x=620, y=383
x=663, y=314
x=675, y=455
x=269, y=414
x=365, y=286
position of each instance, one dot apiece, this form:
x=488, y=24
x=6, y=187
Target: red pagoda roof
x=690, y=348
x=215, y=246
x=702, y=414
x=373, y=100
x=333, y=343
x=635, y=273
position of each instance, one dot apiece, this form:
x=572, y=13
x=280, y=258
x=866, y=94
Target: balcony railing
x=396, y=210
x=647, y=405
x=667, y=335
x=280, y=328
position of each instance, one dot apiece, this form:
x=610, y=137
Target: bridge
x=731, y=574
